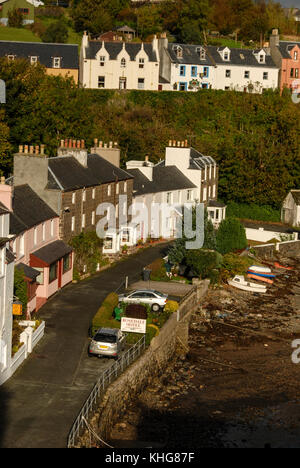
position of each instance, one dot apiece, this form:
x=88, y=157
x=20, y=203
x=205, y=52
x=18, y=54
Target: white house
x=119, y=65
x=184, y=176
x=192, y=67
x=245, y=70
x=6, y=295
x=184, y=67
x=290, y=213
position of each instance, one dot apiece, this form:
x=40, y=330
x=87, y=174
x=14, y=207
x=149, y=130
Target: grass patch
x=17, y=34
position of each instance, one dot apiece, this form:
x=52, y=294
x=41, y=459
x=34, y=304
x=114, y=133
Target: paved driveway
x=40, y=402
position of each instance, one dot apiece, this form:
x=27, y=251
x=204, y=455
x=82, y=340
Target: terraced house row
x=164, y=66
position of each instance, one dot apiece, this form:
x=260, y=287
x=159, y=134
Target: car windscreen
x=104, y=338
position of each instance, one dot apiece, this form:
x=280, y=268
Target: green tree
x=203, y=262
x=15, y=18
x=56, y=32
x=231, y=236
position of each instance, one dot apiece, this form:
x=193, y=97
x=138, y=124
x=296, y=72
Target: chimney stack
x=6, y=194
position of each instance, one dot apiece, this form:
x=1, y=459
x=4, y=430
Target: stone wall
x=172, y=339
x=287, y=249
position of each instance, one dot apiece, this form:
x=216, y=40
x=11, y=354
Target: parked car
x=107, y=342
x=154, y=298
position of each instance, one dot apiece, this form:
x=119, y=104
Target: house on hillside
x=286, y=55
x=6, y=293
x=26, y=7
x=290, y=212
x=119, y=65
x=75, y=183
x=192, y=67
x=58, y=59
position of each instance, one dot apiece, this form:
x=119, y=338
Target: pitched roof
x=190, y=56
x=72, y=175
x=296, y=196
x=45, y=52
x=29, y=272
x=114, y=48
x=244, y=57
x=29, y=210
x=165, y=178
x=52, y=252
x=285, y=48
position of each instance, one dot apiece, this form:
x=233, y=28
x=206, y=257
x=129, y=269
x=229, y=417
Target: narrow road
x=40, y=402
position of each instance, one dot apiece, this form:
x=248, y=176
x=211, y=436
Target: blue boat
x=264, y=275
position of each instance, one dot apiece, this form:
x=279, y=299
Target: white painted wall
x=238, y=82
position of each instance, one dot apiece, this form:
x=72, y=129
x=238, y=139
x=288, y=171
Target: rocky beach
x=237, y=386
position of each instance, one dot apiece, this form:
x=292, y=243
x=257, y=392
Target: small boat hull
x=277, y=265
x=260, y=278
x=240, y=283
x=263, y=275
x=260, y=269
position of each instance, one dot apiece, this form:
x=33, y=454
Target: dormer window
x=178, y=51
x=123, y=63
x=102, y=60
x=201, y=52
x=33, y=60
x=56, y=62
x=141, y=63
x=261, y=58
x=11, y=57
x=226, y=56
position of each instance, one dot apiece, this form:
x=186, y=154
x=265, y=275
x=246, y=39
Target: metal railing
x=106, y=378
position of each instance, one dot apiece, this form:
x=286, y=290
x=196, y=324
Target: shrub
x=104, y=316
x=231, y=236
x=203, y=261
x=15, y=18
x=20, y=289
x=233, y=264
x=56, y=32
x=171, y=307
x=158, y=270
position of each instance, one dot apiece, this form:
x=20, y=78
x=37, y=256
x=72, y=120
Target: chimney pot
x=70, y=143
x=186, y=143
x=110, y=144
x=2, y=180
x=62, y=143
x=105, y=145
x=78, y=144
x=100, y=144
x=182, y=144
x=82, y=144
x=174, y=142
x=178, y=144
x=66, y=143
x=74, y=143
x=42, y=149
x=170, y=142
x=21, y=149
x=116, y=143
x=37, y=149
x=26, y=149
x=95, y=142
x=147, y=158
x=31, y=150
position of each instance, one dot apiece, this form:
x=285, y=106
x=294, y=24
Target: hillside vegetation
x=254, y=138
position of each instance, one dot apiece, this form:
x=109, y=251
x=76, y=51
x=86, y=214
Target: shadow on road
x=3, y=413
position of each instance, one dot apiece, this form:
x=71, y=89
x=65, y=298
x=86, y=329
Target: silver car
x=154, y=298
x=107, y=342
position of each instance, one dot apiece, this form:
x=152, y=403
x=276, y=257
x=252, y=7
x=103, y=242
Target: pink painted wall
x=287, y=64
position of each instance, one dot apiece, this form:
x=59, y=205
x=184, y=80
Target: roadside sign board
x=133, y=325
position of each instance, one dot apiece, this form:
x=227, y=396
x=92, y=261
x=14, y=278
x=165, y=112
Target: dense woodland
x=185, y=20
x=254, y=138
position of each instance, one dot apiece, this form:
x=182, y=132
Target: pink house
x=286, y=55
x=47, y=262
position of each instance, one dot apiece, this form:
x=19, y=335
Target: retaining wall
x=287, y=249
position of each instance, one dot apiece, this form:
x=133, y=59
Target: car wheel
x=90, y=354
x=155, y=308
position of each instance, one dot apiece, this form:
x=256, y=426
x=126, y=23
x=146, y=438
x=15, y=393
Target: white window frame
x=56, y=62
x=33, y=60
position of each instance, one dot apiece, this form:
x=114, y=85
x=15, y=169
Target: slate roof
x=273, y=227
x=189, y=55
x=165, y=178
x=29, y=210
x=44, y=51
x=197, y=160
x=285, y=47
x=296, y=196
x=244, y=57
x=29, y=272
x=52, y=252
x=71, y=175
x=114, y=48
x=215, y=204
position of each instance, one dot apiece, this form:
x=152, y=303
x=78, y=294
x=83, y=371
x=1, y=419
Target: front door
x=122, y=83
x=59, y=273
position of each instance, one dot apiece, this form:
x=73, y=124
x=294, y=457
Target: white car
x=154, y=298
